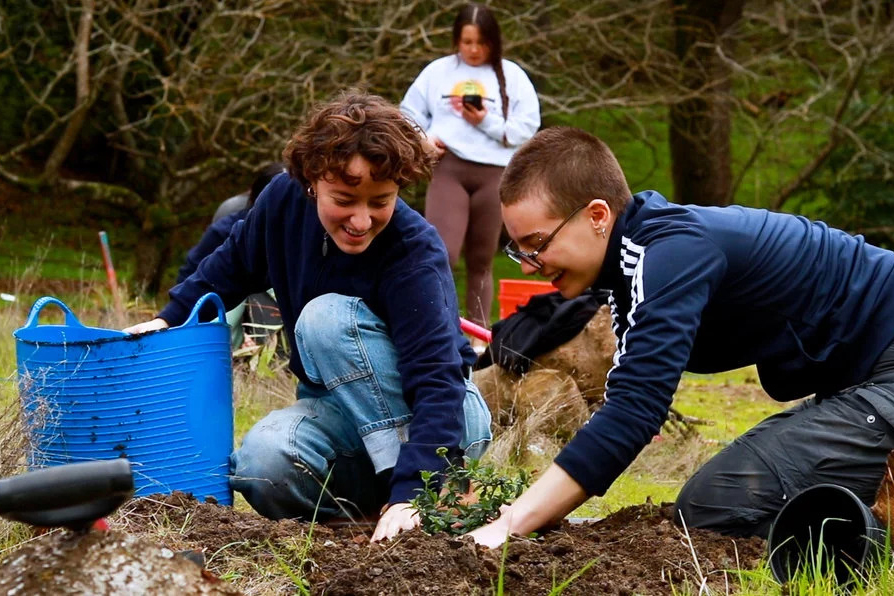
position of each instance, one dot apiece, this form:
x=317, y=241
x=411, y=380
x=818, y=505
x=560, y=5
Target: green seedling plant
x=449, y=509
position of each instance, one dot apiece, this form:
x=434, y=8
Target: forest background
x=140, y=116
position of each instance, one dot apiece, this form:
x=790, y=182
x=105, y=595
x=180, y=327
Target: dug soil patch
x=638, y=550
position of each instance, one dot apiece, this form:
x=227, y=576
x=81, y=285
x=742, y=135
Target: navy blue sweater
x=404, y=277
x=708, y=289
x=214, y=236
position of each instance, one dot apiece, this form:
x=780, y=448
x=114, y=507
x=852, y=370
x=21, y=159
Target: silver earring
x=601, y=231
x=310, y=192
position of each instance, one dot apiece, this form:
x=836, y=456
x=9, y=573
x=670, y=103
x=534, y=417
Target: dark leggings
x=464, y=206
x=843, y=439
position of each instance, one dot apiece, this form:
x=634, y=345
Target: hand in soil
x=396, y=519
x=493, y=534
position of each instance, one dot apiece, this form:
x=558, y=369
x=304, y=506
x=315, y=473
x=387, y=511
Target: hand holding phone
x=473, y=100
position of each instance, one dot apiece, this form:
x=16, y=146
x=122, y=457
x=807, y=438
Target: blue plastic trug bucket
x=161, y=399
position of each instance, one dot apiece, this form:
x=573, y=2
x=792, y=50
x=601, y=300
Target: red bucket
x=517, y=292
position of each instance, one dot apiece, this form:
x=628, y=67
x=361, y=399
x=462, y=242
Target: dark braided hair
x=482, y=17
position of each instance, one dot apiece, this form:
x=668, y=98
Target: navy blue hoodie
x=709, y=289
x=403, y=276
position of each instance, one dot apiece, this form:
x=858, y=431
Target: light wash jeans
x=345, y=431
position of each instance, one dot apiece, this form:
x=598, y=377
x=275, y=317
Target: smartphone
x=473, y=100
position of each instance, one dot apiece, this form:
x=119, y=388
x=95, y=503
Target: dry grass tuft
x=534, y=414
x=13, y=435
x=262, y=391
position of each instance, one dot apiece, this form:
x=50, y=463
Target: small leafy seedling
x=470, y=496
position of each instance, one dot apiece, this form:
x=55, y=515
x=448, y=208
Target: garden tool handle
x=475, y=330
x=66, y=486
x=70, y=319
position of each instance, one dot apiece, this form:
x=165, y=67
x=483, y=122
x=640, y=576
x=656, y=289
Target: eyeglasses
x=530, y=258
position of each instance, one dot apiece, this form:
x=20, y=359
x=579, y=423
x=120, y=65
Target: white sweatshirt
x=434, y=101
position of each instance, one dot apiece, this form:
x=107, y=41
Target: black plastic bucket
x=824, y=527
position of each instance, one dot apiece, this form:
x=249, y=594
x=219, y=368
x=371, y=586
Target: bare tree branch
x=189, y=91
x=82, y=96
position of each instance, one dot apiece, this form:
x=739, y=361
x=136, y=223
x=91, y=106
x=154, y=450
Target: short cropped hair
x=570, y=167
x=358, y=123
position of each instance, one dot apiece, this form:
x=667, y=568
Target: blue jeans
x=344, y=432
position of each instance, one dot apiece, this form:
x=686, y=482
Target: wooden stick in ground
x=884, y=497
x=112, y=278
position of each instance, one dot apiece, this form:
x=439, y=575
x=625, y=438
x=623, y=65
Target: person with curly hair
x=476, y=109
x=365, y=283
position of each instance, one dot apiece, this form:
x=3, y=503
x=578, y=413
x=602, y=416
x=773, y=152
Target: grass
x=558, y=589
x=730, y=402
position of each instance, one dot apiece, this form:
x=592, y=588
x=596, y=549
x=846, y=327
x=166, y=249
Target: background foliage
x=142, y=114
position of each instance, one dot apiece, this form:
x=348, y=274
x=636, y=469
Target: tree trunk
x=699, y=133
x=154, y=252
x=82, y=93
x=154, y=247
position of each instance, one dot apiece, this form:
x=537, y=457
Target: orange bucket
x=517, y=292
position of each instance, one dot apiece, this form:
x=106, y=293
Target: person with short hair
x=225, y=218
x=706, y=289
x=220, y=227
x=476, y=108
x=364, y=282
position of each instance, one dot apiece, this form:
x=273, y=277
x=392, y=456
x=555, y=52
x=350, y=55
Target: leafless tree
x=183, y=92
x=831, y=65
x=186, y=92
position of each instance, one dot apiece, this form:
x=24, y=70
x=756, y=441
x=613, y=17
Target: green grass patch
x=728, y=403
x=731, y=403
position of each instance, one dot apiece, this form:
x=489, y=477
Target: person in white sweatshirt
x=476, y=109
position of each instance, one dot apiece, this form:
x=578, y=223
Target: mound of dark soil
x=103, y=563
x=638, y=550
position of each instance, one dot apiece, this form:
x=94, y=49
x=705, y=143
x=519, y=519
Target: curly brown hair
x=358, y=123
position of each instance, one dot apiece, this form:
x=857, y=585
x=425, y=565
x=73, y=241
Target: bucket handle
x=193, y=318
x=70, y=319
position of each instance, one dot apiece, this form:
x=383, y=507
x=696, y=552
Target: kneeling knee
x=321, y=322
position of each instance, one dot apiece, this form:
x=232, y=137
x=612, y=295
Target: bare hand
x=438, y=145
x=396, y=519
x=153, y=325
x=492, y=535
x=553, y=496
x=496, y=532
x=472, y=115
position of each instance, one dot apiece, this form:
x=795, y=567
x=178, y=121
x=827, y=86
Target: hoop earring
x=601, y=231
x=310, y=192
